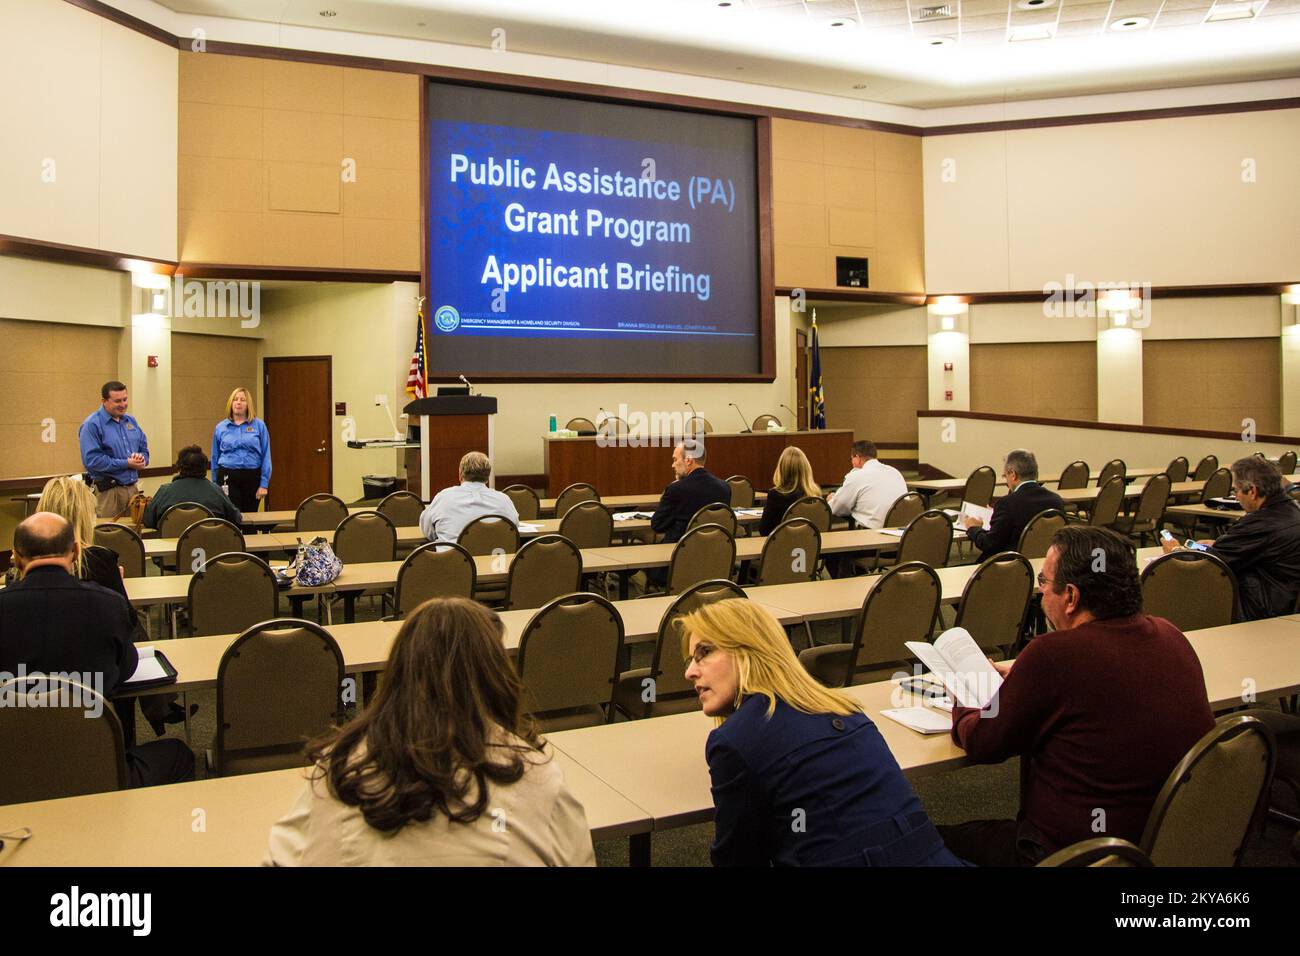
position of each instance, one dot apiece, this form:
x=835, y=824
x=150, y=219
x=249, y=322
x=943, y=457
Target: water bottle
x=552, y=425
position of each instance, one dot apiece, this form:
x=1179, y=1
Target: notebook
x=153, y=670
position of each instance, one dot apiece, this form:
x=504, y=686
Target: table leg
x=349, y=607
x=623, y=578
x=638, y=850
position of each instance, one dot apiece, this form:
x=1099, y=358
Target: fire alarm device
x=947, y=366
x=947, y=395
x=153, y=361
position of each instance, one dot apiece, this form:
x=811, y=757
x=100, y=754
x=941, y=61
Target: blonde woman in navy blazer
x=241, y=452
x=800, y=776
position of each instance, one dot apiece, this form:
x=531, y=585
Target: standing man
x=114, y=451
x=870, y=488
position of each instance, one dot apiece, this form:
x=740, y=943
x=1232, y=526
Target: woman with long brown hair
x=443, y=767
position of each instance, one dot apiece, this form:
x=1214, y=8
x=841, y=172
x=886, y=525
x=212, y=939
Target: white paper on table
x=530, y=527
x=750, y=512
x=149, y=667
x=632, y=515
x=921, y=719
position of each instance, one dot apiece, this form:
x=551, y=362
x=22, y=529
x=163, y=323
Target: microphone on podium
x=466, y=383
x=793, y=417
x=747, y=430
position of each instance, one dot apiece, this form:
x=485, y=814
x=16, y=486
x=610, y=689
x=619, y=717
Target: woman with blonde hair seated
x=800, y=776
x=443, y=767
x=792, y=480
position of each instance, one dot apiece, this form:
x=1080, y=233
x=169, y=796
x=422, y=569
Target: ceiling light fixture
x=329, y=13
x=842, y=22
x=941, y=41
x=1232, y=11
x=1034, y=4
x=1129, y=24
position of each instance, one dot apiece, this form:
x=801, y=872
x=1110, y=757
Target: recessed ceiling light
x=843, y=22
x=1034, y=4
x=724, y=3
x=1037, y=31
x=1130, y=23
x=329, y=13
x=1232, y=11
x=941, y=41
x=859, y=86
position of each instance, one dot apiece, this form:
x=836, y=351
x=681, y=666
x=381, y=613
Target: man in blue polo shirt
x=113, y=451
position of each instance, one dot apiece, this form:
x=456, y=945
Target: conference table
x=954, y=486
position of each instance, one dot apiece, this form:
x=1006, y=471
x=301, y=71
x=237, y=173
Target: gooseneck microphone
x=793, y=417
x=747, y=430
x=467, y=384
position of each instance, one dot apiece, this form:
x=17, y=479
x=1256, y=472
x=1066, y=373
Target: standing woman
x=241, y=452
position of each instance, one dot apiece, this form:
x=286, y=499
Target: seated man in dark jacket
x=191, y=485
x=51, y=622
x=1263, y=546
x=1025, y=498
x=692, y=490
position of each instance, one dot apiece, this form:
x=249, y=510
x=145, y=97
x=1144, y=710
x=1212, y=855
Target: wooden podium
x=450, y=427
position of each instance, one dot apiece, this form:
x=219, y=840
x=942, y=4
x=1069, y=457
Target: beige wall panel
x=1234, y=379
x=381, y=143
x=900, y=192
x=807, y=266
x=205, y=369
x=895, y=271
x=851, y=188
x=25, y=454
x=302, y=87
x=799, y=182
x=381, y=244
x=303, y=137
x=898, y=152
x=224, y=80
x=387, y=194
x=900, y=244
x=794, y=140
x=799, y=225
x=297, y=187
x=223, y=131
x=234, y=185
x=875, y=391
x=54, y=292
x=851, y=227
x=303, y=240
x=1040, y=379
x=846, y=146
x=219, y=236
x=966, y=219
x=376, y=93
x=1215, y=318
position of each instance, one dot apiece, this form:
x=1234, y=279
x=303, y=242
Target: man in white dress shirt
x=453, y=508
x=869, y=490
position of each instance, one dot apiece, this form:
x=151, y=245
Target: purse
x=135, y=508
x=315, y=563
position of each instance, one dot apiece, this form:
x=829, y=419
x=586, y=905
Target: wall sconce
x=1117, y=307
x=1291, y=307
x=948, y=313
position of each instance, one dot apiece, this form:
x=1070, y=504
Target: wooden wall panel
x=1212, y=384
x=40, y=389
x=839, y=191
x=1042, y=379
x=262, y=145
x=205, y=370
x=875, y=390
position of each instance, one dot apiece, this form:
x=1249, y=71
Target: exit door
x=298, y=409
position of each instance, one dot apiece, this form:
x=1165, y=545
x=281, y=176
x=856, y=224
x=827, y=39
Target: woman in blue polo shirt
x=241, y=452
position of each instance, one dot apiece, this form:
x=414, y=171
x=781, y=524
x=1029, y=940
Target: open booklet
x=633, y=515
x=969, y=510
x=153, y=669
x=959, y=662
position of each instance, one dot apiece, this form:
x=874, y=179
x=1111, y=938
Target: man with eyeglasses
x=1025, y=498
x=1100, y=710
x=1263, y=546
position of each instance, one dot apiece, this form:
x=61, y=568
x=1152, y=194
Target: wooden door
x=801, y=376
x=299, y=413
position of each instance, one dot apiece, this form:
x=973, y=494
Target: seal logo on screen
x=447, y=319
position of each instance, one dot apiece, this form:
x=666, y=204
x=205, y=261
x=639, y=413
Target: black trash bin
x=378, y=486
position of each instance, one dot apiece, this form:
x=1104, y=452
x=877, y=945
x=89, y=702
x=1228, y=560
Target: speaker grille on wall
x=851, y=272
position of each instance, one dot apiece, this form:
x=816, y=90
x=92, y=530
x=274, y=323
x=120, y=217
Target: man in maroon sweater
x=1099, y=711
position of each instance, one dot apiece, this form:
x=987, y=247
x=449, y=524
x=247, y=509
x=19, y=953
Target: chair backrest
x=1218, y=485
x=1204, y=814
x=1178, y=469
x=904, y=510
x=1105, y=507
x=320, y=512
x=927, y=538
x=1154, y=498
x=124, y=542
x=365, y=537
x=581, y=425
x=1100, y=851
x=204, y=538
x=901, y=607
x=278, y=685
x=995, y=600
x=588, y=524
x=979, y=486
x=1077, y=474
x=1037, y=534
x=53, y=747
x=179, y=517
x=760, y=423
x=714, y=513
x=697, y=425
x=1113, y=468
x=545, y=568
x=1205, y=467
x=489, y=534
x=742, y=491
x=569, y=654
x=668, y=667
x=706, y=553
x=232, y=593
x=525, y=501
x=1286, y=462
x=790, y=553
x=403, y=509
x=570, y=496
x=434, y=571
x=1191, y=589
x=814, y=509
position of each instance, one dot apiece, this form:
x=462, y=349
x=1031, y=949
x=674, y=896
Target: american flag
x=416, y=383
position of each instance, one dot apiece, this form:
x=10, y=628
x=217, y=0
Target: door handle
x=320, y=451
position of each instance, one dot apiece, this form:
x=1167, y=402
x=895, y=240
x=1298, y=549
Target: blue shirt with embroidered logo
x=106, y=444
x=242, y=445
